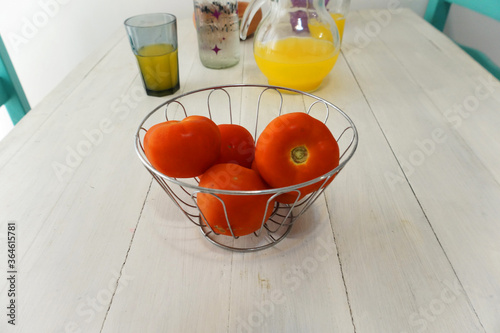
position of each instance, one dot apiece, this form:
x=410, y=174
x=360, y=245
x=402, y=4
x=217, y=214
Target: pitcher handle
x=248, y=15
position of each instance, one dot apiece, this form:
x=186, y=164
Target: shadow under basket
x=252, y=106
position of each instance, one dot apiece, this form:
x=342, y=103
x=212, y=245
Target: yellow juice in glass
x=340, y=21
x=159, y=67
x=296, y=62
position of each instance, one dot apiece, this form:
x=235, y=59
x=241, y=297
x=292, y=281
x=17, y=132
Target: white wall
x=48, y=38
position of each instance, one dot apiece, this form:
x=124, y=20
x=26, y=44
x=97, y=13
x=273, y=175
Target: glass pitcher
x=338, y=10
x=296, y=45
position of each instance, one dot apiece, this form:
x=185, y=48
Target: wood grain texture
x=458, y=194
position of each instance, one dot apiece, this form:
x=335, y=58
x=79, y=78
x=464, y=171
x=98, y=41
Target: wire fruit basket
x=252, y=106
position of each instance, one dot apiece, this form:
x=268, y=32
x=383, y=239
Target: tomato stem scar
x=299, y=154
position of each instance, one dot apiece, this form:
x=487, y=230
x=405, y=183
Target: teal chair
x=11, y=92
x=437, y=12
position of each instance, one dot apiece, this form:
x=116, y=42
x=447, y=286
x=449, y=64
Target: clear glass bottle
x=217, y=27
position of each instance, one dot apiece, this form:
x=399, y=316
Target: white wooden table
x=406, y=239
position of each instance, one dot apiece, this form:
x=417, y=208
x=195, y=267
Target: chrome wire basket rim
x=350, y=150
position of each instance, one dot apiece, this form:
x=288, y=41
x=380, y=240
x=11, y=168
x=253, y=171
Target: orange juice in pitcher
x=338, y=10
x=296, y=45
x=296, y=62
x=340, y=22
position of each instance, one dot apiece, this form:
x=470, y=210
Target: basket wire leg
x=264, y=220
x=314, y=196
x=288, y=215
x=204, y=219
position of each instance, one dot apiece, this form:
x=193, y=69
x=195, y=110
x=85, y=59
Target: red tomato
x=237, y=145
x=254, y=167
x=295, y=148
x=245, y=212
x=183, y=149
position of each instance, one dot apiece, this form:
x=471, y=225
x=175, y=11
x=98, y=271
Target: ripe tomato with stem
x=295, y=148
